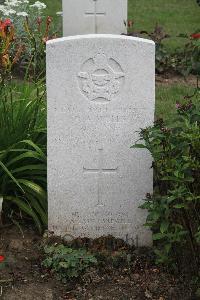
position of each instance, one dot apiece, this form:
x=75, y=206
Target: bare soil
x=25, y=279
x=168, y=79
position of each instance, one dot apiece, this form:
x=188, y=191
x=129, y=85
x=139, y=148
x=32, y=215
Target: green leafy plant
x=174, y=207
x=33, y=62
x=184, y=60
x=22, y=137
x=23, y=180
x=26, y=34
x=23, y=150
x=67, y=262
x=187, y=59
x=163, y=57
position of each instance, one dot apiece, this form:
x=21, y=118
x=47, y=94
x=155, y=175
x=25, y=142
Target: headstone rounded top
x=101, y=36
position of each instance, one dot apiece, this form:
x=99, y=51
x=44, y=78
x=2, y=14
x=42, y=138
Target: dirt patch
x=171, y=79
x=25, y=279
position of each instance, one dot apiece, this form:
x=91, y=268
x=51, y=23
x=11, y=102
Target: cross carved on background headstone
x=95, y=14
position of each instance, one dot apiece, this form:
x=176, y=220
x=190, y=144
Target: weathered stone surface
x=94, y=16
x=100, y=93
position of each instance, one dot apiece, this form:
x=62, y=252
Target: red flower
x=195, y=36
x=7, y=22
x=6, y=27
x=2, y=258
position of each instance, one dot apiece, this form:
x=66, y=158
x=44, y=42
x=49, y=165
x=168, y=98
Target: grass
x=53, y=6
x=167, y=97
x=176, y=16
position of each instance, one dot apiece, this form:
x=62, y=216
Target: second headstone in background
x=94, y=16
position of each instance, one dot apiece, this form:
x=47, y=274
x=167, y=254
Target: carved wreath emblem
x=101, y=78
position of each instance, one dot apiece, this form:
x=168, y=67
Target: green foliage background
x=174, y=15
x=174, y=207
x=23, y=151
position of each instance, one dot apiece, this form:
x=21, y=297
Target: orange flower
x=46, y=35
x=49, y=20
x=130, y=23
x=39, y=20
x=5, y=60
x=20, y=49
x=6, y=39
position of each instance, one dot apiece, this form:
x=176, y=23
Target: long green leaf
x=11, y=176
x=35, y=189
x=29, y=154
x=39, y=210
x=29, y=167
x=27, y=209
x=37, y=148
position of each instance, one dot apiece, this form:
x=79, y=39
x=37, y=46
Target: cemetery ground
x=122, y=273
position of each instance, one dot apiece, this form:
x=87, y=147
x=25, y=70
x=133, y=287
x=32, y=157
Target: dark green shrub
x=174, y=207
x=23, y=151
x=163, y=57
x=67, y=262
x=186, y=60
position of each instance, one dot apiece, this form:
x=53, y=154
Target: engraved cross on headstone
x=100, y=171
x=95, y=14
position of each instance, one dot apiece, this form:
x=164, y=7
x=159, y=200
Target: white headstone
x=94, y=16
x=100, y=93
